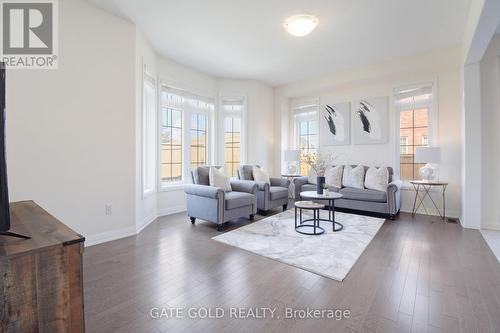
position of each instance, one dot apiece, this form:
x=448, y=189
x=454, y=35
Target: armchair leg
x=219, y=227
x=251, y=217
x=193, y=219
x=285, y=206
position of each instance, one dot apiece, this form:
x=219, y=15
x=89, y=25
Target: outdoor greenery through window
x=414, y=106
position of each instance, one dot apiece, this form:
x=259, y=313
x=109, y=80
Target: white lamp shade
x=291, y=155
x=427, y=154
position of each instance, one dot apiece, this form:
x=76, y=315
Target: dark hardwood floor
x=417, y=275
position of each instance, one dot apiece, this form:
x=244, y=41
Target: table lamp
x=292, y=157
x=428, y=155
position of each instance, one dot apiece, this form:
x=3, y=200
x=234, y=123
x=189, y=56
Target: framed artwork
x=334, y=123
x=370, y=120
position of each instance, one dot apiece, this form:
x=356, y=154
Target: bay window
x=186, y=121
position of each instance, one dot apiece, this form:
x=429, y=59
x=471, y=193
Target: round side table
x=331, y=197
x=307, y=228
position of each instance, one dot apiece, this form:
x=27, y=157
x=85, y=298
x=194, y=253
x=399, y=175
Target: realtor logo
x=29, y=34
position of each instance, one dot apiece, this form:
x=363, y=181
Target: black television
x=4, y=193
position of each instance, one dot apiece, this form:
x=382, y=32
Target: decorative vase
x=319, y=184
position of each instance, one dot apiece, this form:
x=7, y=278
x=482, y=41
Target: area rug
x=332, y=254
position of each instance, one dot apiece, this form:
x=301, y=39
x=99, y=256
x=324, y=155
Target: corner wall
x=70, y=131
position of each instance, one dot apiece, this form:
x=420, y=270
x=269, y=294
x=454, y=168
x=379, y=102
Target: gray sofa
x=269, y=196
x=213, y=204
x=386, y=202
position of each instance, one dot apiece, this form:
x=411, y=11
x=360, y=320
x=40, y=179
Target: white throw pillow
x=377, y=178
x=217, y=178
x=259, y=175
x=333, y=176
x=353, y=177
x=313, y=177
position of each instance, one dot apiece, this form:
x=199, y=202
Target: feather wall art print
x=335, y=124
x=370, y=120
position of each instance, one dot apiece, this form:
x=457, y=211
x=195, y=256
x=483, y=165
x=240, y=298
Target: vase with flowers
x=318, y=163
x=326, y=190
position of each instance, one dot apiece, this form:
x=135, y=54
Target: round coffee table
x=301, y=227
x=331, y=197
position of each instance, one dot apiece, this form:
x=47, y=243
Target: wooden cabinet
x=41, y=282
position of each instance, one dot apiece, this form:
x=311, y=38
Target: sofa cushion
x=333, y=175
x=278, y=192
x=245, y=172
x=377, y=178
x=259, y=175
x=217, y=178
x=238, y=199
x=353, y=177
x=363, y=194
x=200, y=176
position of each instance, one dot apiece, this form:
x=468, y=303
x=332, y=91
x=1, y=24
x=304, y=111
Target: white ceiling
x=245, y=39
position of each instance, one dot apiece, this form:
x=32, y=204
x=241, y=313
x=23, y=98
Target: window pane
x=171, y=145
x=232, y=151
x=312, y=127
x=413, y=133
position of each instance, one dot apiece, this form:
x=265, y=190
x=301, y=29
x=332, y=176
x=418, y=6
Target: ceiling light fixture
x=301, y=25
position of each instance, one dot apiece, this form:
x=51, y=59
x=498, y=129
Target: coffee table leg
x=314, y=220
x=295, y=217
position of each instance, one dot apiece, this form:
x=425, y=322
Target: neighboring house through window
x=414, y=106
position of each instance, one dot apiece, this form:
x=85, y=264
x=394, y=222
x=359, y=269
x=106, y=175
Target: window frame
x=187, y=110
x=433, y=125
x=149, y=163
x=223, y=114
x=307, y=111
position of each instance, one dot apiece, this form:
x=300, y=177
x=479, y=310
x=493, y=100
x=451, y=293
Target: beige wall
x=70, y=131
x=441, y=66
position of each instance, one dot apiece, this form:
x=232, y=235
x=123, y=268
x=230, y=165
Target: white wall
x=146, y=206
x=490, y=123
x=442, y=66
x=70, y=131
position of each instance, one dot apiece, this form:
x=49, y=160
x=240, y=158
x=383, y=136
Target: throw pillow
x=333, y=176
x=259, y=175
x=353, y=177
x=377, y=178
x=217, y=178
x=313, y=177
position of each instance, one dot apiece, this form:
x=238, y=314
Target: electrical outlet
x=108, y=209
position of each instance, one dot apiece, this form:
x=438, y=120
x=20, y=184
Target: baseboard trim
x=109, y=236
x=171, y=210
x=451, y=214
x=112, y=235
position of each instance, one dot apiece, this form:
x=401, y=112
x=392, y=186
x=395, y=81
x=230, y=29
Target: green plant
x=325, y=186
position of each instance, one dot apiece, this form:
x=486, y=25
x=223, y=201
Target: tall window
x=199, y=129
x=414, y=105
x=186, y=121
x=233, y=116
x=149, y=135
x=306, y=132
x=171, y=144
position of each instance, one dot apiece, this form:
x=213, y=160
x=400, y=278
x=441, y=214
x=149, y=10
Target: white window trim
x=186, y=151
x=433, y=134
x=148, y=78
x=244, y=132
